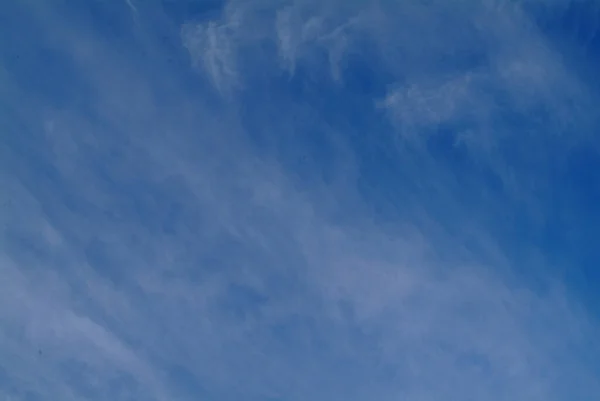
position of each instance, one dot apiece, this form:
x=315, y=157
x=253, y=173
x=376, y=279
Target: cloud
x=212, y=50
x=284, y=240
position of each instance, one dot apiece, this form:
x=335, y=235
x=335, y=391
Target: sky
x=292, y=200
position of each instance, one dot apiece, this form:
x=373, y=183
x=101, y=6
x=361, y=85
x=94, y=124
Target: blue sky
x=299, y=200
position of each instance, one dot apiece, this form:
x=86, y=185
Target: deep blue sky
x=298, y=199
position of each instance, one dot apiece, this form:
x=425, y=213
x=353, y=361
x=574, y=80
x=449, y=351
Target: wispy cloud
x=212, y=49
x=307, y=231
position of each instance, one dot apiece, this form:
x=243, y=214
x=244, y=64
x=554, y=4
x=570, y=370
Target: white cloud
x=210, y=48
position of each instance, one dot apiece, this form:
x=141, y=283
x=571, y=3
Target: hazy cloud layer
x=293, y=200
